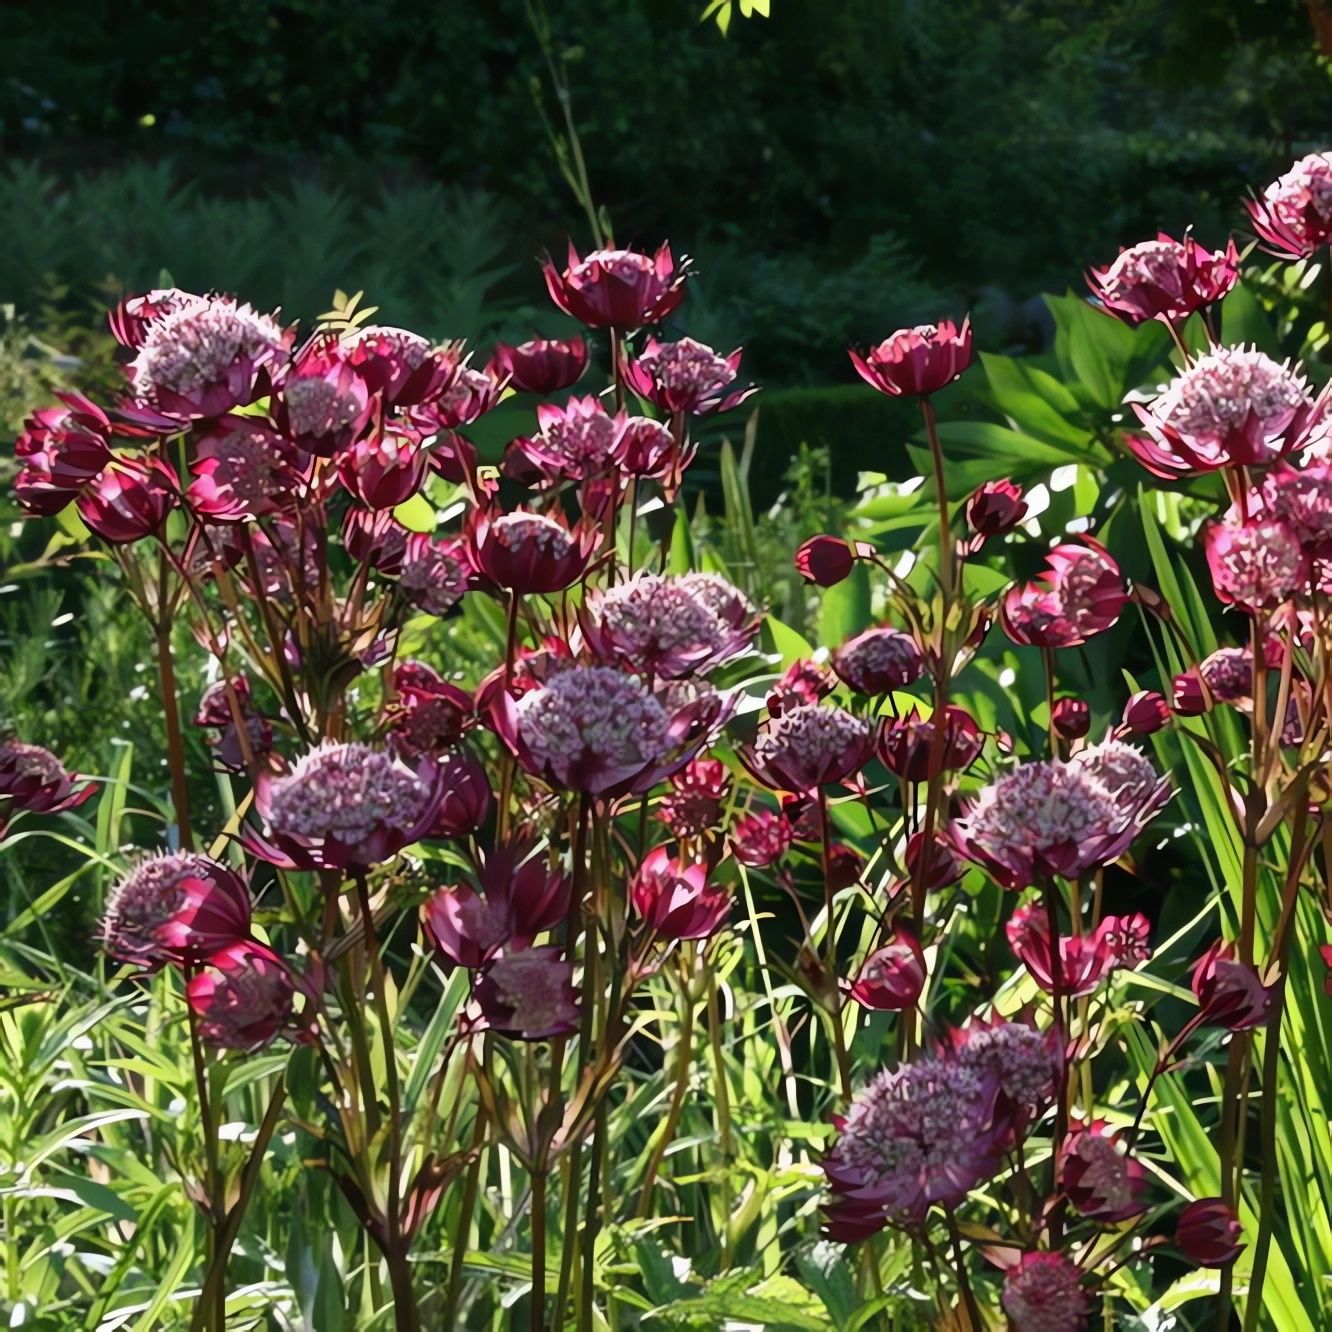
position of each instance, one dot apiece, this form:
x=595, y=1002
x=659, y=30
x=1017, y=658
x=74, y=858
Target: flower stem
x=180, y=785
x=1061, y=1103
x=665, y=1132
x=537, y=1313
x=941, y=497
x=830, y=951
x=963, y=1280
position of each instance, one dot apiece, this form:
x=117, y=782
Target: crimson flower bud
x=1071, y=718
x=129, y=500
x=466, y=801
x=760, y=839
x=383, y=472
x=243, y=998
x=467, y=928
x=620, y=289
x=825, y=560
x=892, y=978
x=907, y=744
x=643, y=447
x=915, y=362
x=1208, y=1233
x=675, y=901
x=1229, y=992
x=541, y=365
x=995, y=508
x=1189, y=696
x=1144, y=713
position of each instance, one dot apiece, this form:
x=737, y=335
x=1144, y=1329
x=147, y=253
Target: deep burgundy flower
x=244, y=998
x=33, y=779
x=1209, y=1233
x=644, y=447
x=892, y=978
x=179, y=908
x=674, y=899
x=1085, y=960
x=62, y=448
x=760, y=838
x=1043, y=1293
x=435, y=572
x=401, y=366
x=694, y=806
x=1232, y=407
x=941, y=866
x=1026, y=1061
x=215, y=713
x=374, y=537
x=528, y=552
x=993, y=509
x=243, y=469
x=1145, y=713
x=619, y=289
x=344, y=807
x=575, y=442
x=1071, y=718
x=878, y=660
x=533, y=894
x=808, y=747
x=1229, y=993
x=466, y=927
x=428, y=714
x=1099, y=1174
x=1164, y=279
x=529, y=995
x=663, y=626
x=465, y=804
x=470, y=395
x=845, y=866
x=802, y=683
x=324, y=402
x=825, y=560
x=384, y=470
x=206, y=356
x=1294, y=215
x=686, y=376
x=1080, y=594
x=1255, y=565
x=129, y=500
x=908, y=746
x=541, y=365
x=130, y=320
x=916, y=362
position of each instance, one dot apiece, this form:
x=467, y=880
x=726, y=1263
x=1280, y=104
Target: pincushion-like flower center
x=813, y=736
x=317, y=404
x=1018, y=1055
x=1257, y=563
x=1040, y=806
x=519, y=530
x=347, y=792
x=433, y=576
x=1219, y=392
x=30, y=761
x=874, y=655
x=147, y=898
x=1043, y=1294
x=579, y=441
x=651, y=617
x=1157, y=263
x=627, y=265
x=1228, y=673
x=1308, y=184
x=535, y=988
x=385, y=340
x=249, y=465
x=1126, y=773
x=192, y=347
x=721, y=597
x=687, y=367
x=1105, y=1171
x=593, y=710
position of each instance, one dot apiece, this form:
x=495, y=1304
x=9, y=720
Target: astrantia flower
x=644, y=447
x=1164, y=279
x=1054, y=818
x=527, y=552
x=1229, y=993
x=1100, y=1175
x=1302, y=497
x=804, y=681
x=131, y=319
x=180, y=907
x=721, y=597
x=383, y=470
x=915, y=362
x=1026, y=1062
x=1209, y=1233
x=598, y=730
x=658, y=625
x=542, y=365
x=760, y=838
x=1071, y=718
x=619, y=289
x=243, y=469
x=918, y=1134
x=911, y=749
x=878, y=660
x=1080, y=594
x=429, y=714
x=435, y=573
x=529, y=994
x=694, y=805
x=465, y=803
x=232, y=753
x=674, y=899
x=1043, y=1293
x=345, y=806
x=323, y=402
x=685, y=376
x=1085, y=960
x=62, y=448
x=1232, y=407
x=808, y=747
x=399, y=365
x=576, y=442
x=205, y=357
x=892, y=977
x=466, y=927
x=1294, y=215
x=33, y=779
x=244, y=998
x=129, y=500
x=993, y=509
x=470, y=395
x=1255, y=565
x=1228, y=674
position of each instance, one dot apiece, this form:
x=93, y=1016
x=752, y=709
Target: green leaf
x=846, y=609
x=416, y=514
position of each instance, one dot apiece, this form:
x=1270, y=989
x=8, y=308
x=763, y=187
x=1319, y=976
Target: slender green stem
x=471, y=1188
x=963, y=1279
x=665, y=1132
x=723, y=1098
x=1061, y=1104
x=180, y=783
x=537, y=1312
x=830, y=951
x=946, y=552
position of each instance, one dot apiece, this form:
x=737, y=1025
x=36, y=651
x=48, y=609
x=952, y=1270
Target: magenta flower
x=465, y=804
x=436, y=572
x=175, y=908
x=429, y=715
x=465, y=401
x=1255, y=565
x=1071, y=718
x=1043, y=1293
x=323, y=403
x=1233, y=407
x=1080, y=594
x=1164, y=279
x=206, y=356
x=467, y=928
x=993, y=509
x=674, y=899
x=1084, y=960
x=528, y=552
x=130, y=320
x=1026, y=1061
x=661, y=626
x=694, y=806
x=576, y=442
x=215, y=714
x=808, y=747
x=909, y=747
x=892, y=978
x=645, y=447
x=129, y=500
x=803, y=682
x=383, y=470
x=1054, y=818
x=244, y=469
x=619, y=289
x=400, y=366
x=1294, y=215
x=344, y=807
x=686, y=377
x=1229, y=993
x=62, y=449
x=1100, y=1176
x=542, y=365
x=32, y=779
x=244, y=998
x=1145, y=713
x=760, y=838
x=1209, y=1233
x=529, y=995
x=879, y=660
x=916, y=362
x=1302, y=497
x=374, y=537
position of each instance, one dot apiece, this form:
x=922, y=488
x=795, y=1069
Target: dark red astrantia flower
x=542, y=365
x=1164, y=279
x=916, y=362
x=619, y=289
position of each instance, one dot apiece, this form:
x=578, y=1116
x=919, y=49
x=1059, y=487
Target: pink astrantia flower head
x=760, y=838
x=528, y=552
x=130, y=320
x=1100, y=1175
x=892, y=978
x=62, y=448
x=1026, y=1061
x=619, y=289
x=215, y=713
x=674, y=899
x=542, y=365
x=576, y=442
x=429, y=714
x=179, y=908
x=470, y=395
x=528, y=994
x=244, y=469
x=33, y=779
x=911, y=749
x=244, y=997
x=664, y=626
x=644, y=447
x=402, y=367
x=344, y=807
x=1080, y=594
x=436, y=572
x=916, y=362
x=207, y=356
x=809, y=746
x=1255, y=565
x=1229, y=993
x=129, y=499
x=323, y=403
x=1233, y=407
x=383, y=470
x=694, y=806
x=465, y=804
x=1302, y=497
x=467, y=928
x=878, y=660
x=993, y=509
x=1055, y=818
x=1043, y=1293
x=686, y=376
x=1164, y=279
x=1293, y=217
x=1084, y=960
